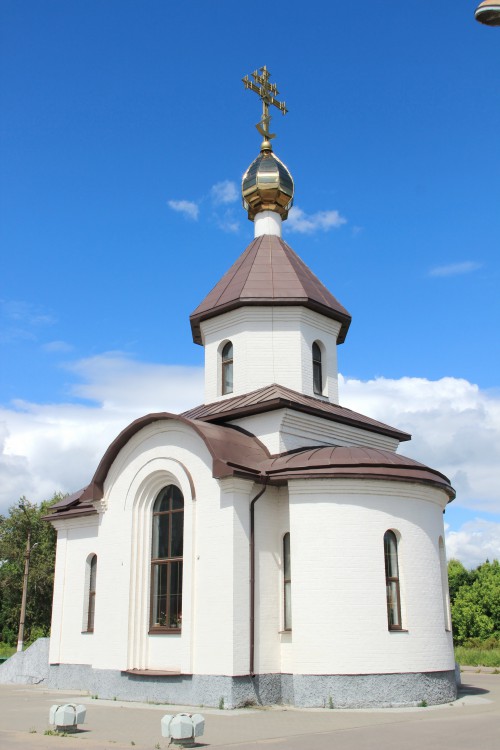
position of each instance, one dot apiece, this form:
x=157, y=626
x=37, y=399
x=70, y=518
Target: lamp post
x=488, y=12
x=20, y=636
x=27, y=555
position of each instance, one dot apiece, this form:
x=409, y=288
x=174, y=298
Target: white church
x=270, y=545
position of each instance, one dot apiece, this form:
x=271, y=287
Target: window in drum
x=392, y=581
x=287, y=583
x=317, y=369
x=166, y=561
x=92, y=573
x=227, y=368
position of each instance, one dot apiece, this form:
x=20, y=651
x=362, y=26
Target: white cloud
x=224, y=192
x=455, y=427
x=187, y=208
x=19, y=320
x=455, y=269
x=25, y=312
x=299, y=221
x=474, y=542
x=50, y=447
x=57, y=346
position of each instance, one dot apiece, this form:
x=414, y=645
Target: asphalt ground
x=472, y=721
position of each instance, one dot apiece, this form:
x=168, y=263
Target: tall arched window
x=317, y=369
x=287, y=583
x=166, y=560
x=227, y=368
x=392, y=581
x=91, y=577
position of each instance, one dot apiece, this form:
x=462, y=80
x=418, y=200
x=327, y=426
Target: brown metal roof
x=353, y=462
x=70, y=507
x=268, y=273
x=233, y=452
x=275, y=396
x=237, y=453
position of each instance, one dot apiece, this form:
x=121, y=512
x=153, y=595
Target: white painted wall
x=76, y=539
x=286, y=429
x=338, y=577
x=270, y=345
x=215, y=628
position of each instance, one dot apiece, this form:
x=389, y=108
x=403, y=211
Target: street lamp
x=488, y=12
x=27, y=555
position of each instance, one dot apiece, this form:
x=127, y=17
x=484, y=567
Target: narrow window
x=444, y=585
x=92, y=575
x=392, y=581
x=287, y=583
x=317, y=369
x=227, y=368
x=166, y=560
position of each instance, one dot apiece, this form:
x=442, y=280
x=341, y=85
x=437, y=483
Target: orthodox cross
x=267, y=92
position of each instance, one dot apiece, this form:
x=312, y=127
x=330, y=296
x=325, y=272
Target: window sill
x=152, y=672
x=87, y=632
x=162, y=631
x=398, y=630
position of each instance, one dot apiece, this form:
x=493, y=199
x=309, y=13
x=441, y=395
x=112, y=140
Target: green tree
x=14, y=529
x=476, y=602
x=458, y=575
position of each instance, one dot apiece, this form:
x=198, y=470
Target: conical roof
x=269, y=273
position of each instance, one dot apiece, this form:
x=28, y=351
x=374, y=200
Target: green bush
x=475, y=601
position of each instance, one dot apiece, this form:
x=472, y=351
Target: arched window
x=392, y=581
x=444, y=585
x=166, y=560
x=91, y=576
x=317, y=369
x=227, y=368
x=287, y=583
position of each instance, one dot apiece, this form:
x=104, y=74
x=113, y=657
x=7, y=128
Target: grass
x=6, y=650
x=477, y=656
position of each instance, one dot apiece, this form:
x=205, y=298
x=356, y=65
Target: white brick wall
x=338, y=578
x=286, y=429
x=270, y=345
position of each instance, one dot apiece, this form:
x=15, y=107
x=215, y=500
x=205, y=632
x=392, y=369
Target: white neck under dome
x=267, y=222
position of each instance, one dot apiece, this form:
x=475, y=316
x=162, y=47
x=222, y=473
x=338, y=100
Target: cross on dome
x=267, y=185
x=267, y=92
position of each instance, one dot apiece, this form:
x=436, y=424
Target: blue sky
x=125, y=130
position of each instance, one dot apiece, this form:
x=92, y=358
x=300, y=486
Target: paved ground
x=473, y=721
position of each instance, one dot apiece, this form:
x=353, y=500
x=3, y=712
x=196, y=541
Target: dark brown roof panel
x=272, y=397
x=353, y=462
x=236, y=453
x=269, y=273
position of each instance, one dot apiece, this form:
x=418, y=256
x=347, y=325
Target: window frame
x=287, y=579
x=166, y=562
x=317, y=367
x=392, y=582
x=88, y=624
x=227, y=365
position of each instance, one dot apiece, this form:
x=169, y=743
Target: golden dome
x=488, y=12
x=267, y=185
